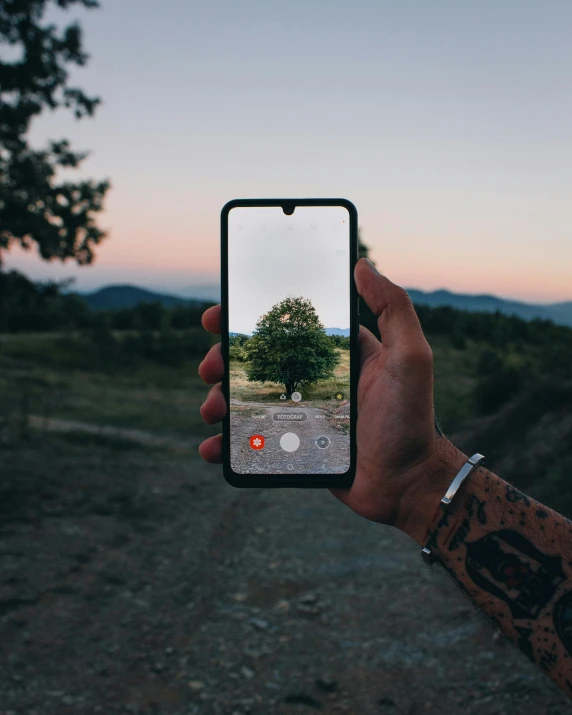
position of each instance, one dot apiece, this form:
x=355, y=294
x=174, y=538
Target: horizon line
x=176, y=292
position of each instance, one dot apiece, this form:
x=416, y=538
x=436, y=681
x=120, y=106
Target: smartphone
x=289, y=342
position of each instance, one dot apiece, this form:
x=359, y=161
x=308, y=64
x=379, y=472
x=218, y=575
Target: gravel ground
x=249, y=418
x=139, y=582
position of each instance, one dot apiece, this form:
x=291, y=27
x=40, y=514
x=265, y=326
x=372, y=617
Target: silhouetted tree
x=363, y=250
x=30, y=307
x=36, y=207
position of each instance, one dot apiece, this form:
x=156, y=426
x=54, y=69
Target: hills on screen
x=128, y=296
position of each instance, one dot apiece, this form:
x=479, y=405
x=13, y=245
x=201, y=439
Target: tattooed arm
x=503, y=548
x=512, y=556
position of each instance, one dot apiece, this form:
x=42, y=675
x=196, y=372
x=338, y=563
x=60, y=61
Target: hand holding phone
x=403, y=465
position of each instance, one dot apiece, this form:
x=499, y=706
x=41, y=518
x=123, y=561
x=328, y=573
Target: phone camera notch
x=288, y=209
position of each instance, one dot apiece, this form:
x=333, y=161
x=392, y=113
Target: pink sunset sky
x=449, y=125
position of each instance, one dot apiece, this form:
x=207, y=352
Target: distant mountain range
x=338, y=331
x=128, y=296
x=560, y=313
x=208, y=292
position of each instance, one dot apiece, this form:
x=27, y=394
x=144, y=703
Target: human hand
x=403, y=466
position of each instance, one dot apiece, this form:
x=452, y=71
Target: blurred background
x=133, y=579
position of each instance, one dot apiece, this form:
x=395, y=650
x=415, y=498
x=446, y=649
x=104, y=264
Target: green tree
x=237, y=347
x=290, y=346
x=340, y=341
x=497, y=381
x=35, y=206
x=239, y=339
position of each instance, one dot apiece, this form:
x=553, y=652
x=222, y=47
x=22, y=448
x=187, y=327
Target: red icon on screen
x=257, y=442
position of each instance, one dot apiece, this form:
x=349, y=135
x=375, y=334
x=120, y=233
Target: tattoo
x=541, y=514
x=432, y=541
x=460, y=535
x=524, y=643
x=475, y=504
x=563, y=620
x=514, y=495
x=547, y=660
x=525, y=580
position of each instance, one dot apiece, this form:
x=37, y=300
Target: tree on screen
x=290, y=346
x=37, y=206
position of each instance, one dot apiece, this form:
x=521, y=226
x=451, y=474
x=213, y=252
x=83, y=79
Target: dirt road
x=138, y=581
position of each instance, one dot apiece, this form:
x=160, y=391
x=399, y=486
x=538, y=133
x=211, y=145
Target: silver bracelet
x=472, y=463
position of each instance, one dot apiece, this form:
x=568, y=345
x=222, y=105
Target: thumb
x=397, y=320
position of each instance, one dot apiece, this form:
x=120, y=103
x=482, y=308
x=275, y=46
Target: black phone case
x=339, y=481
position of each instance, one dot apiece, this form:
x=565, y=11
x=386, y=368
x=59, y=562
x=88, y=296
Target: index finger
x=211, y=319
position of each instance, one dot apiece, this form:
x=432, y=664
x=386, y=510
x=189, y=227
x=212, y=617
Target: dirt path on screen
x=249, y=418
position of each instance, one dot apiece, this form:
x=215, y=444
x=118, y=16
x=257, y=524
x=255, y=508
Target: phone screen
x=289, y=339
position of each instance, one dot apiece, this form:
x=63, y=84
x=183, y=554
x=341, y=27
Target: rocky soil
x=134, y=580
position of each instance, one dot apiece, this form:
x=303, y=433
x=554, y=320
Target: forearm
x=513, y=557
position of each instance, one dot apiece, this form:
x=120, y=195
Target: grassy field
x=455, y=379
x=247, y=391
x=528, y=439
x=36, y=379
x=57, y=377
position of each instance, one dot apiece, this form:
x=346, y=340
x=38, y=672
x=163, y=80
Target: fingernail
x=372, y=268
